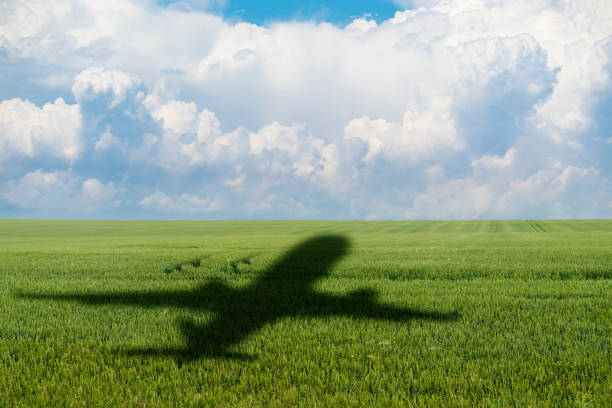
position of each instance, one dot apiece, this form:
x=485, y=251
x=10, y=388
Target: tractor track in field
x=535, y=226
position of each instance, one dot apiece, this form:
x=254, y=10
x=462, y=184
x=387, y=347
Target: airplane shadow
x=284, y=290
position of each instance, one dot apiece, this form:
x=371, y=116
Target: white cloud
x=421, y=135
x=495, y=163
x=361, y=26
x=455, y=199
x=378, y=73
x=559, y=192
x=40, y=188
x=26, y=129
x=133, y=35
x=176, y=116
x=549, y=193
x=185, y=203
x=276, y=136
x=209, y=128
x=575, y=37
x=456, y=108
x=191, y=139
x=96, y=81
x=95, y=190
x=106, y=141
x=59, y=190
x=425, y=52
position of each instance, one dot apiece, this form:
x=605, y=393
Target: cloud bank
x=450, y=109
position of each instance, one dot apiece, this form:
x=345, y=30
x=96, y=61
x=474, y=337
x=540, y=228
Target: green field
x=254, y=313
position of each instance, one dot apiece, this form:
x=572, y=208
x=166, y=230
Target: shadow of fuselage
x=284, y=290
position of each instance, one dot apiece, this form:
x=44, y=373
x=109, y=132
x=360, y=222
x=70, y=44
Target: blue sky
x=206, y=109
x=336, y=12
x=266, y=12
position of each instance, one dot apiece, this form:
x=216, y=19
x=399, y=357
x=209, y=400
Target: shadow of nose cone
x=311, y=259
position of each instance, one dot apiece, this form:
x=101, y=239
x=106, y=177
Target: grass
x=482, y=313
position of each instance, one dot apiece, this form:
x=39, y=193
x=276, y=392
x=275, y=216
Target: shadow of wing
x=362, y=304
x=204, y=296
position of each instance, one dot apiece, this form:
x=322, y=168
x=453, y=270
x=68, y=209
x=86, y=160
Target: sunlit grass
x=533, y=301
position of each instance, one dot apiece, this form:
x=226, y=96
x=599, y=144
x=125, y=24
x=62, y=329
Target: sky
x=223, y=109
x=340, y=12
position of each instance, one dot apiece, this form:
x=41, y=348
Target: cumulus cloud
x=548, y=193
x=59, y=190
x=94, y=189
x=96, y=81
x=276, y=136
x=106, y=141
x=191, y=138
x=176, y=116
x=495, y=163
x=449, y=109
x=361, y=25
x=26, y=129
x=557, y=192
x=40, y=188
x=419, y=136
x=184, y=204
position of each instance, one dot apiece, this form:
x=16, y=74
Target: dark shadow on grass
x=284, y=290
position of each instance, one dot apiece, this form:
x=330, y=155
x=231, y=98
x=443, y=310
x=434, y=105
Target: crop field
x=306, y=313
